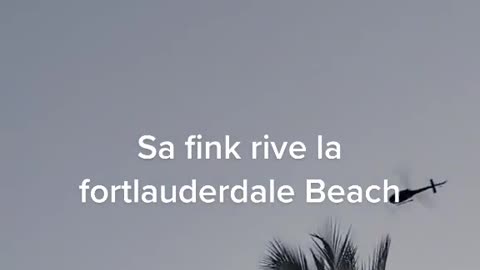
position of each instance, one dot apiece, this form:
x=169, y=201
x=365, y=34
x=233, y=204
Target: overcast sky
x=395, y=82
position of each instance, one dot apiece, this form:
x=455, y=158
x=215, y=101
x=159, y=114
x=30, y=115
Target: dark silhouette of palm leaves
x=331, y=250
x=282, y=257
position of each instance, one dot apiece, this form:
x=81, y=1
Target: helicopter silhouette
x=406, y=195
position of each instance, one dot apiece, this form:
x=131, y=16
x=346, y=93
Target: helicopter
x=406, y=195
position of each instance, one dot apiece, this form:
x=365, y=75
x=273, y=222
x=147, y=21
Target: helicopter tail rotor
x=432, y=184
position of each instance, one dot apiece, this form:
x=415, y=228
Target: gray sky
x=394, y=81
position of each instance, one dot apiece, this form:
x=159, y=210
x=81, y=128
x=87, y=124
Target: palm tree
x=330, y=251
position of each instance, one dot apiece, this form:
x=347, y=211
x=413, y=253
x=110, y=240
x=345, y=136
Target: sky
x=396, y=83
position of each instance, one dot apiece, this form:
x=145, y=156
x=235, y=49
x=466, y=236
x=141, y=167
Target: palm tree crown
x=330, y=251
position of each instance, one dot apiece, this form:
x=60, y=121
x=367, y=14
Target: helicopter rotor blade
x=401, y=177
x=404, y=175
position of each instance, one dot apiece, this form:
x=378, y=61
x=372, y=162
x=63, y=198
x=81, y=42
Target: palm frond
x=282, y=257
x=380, y=256
x=332, y=251
x=322, y=253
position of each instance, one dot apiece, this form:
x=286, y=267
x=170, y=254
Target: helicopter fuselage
x=403, y=196
x=406, y=194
